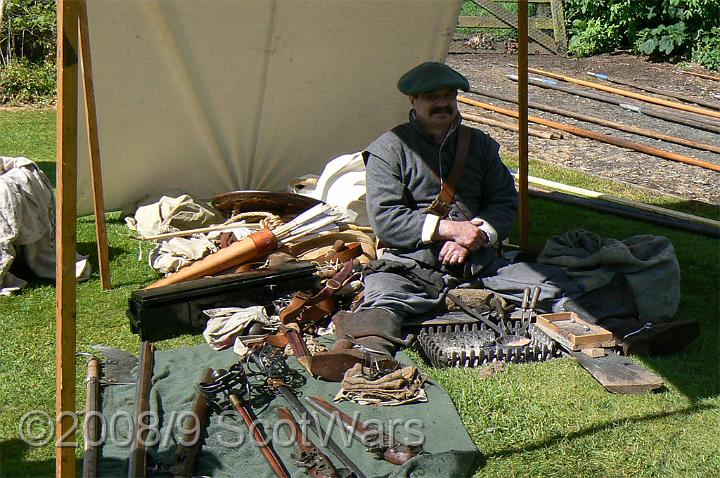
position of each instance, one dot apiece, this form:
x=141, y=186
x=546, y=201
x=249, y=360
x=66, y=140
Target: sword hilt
x=226, y=383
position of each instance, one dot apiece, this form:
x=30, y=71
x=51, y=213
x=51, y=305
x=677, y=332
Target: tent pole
x=67, y=65
x=94, y=148
x=523, y=121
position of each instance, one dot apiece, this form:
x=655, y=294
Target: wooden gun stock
x=189, y=446
x=260, y=439
x=92, y=425
x=137, y=463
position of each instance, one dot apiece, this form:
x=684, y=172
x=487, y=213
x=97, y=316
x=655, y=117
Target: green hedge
x=22, y=82
x=27, y=52
x=676, y=30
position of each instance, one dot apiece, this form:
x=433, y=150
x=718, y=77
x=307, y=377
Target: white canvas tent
x=214, y=96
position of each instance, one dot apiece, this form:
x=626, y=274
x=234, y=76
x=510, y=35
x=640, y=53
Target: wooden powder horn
x=255, y=245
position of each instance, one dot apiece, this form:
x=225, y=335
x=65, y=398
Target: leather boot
x=367, y=322
x=343, y=344
x=376, y=331
x=372, y=343
x=333, y=364
x=377, y=344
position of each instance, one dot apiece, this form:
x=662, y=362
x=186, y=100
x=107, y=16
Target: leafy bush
x=707, y=49
x=591, y=36
x=670, y=29
x=22, y=82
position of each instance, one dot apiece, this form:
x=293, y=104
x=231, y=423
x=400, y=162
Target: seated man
x=431, y=240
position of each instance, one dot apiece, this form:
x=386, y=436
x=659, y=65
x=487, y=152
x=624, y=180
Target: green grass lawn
x=543, y=419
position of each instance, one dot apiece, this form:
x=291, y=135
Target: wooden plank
x=94, y=148
x=511, y=19
x=572, y=332
x=492, y=22
x=65, y=290
x=619, y=374
x=594, y=352
x=625, y=202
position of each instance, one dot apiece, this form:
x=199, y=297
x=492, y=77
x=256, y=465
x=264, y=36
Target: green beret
x=431, y=76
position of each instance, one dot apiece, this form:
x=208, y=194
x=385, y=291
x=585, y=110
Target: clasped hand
x=464, y=233
x=453, y=253
x=462, y=237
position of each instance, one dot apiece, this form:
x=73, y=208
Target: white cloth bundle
x=27, y=218
x=226, y=324
x=341, y=184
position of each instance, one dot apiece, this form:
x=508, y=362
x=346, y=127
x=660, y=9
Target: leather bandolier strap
x=441, y=204
x=340, y=253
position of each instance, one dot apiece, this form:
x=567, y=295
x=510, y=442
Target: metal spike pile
x=473, y=345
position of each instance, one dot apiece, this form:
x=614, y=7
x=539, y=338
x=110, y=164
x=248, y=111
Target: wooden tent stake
x=94, y=148
x=538, y=133
x=603, y=122
x=629, y=94
x=605, y=138
x=701, y=75
x=66, y=293
x=523, y=145
x=657, y=91
x=587, y=193
x=665, y=114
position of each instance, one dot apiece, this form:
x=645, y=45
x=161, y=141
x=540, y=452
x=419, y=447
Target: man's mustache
x=441, y=110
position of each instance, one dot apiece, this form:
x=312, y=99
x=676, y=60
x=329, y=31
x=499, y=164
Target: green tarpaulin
x=228, y=449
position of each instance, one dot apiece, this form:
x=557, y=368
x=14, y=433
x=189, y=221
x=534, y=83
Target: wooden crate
x=572, y=332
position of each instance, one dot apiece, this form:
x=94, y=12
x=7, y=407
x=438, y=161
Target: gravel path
x=488, y=70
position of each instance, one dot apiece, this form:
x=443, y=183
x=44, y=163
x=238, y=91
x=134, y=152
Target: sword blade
x=377, y=442
x=354, y=425
x=302, y=411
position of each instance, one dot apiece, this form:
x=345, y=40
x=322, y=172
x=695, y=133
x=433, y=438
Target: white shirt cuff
x=429, y=227
x=487, y=228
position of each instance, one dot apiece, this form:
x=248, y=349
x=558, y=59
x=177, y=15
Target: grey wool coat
x=404, y=167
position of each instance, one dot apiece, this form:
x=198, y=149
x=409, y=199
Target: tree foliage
x=668, y=29
x=28, y=30
x=27, y=51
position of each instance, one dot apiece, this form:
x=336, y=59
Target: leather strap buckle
x=333, y=284
x=439, y=208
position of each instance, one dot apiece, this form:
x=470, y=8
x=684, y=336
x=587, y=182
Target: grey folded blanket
x=648, y=262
